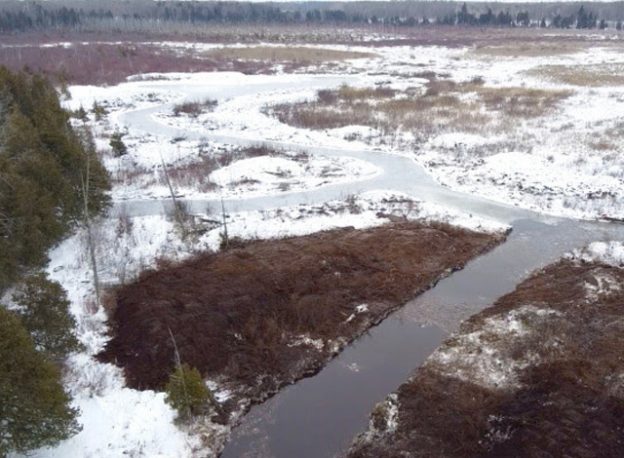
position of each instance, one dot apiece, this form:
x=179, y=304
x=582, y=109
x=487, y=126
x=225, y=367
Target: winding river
x=320, y=415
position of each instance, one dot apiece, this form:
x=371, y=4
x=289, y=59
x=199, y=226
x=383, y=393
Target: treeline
x=581, y=20
x=24, y=16
x=45, y=165
x=38, y=17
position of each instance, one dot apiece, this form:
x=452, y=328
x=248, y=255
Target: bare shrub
x=442, y=106
x=521, y=102
x=194, y=109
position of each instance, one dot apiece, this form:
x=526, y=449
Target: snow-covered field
x=547, y=164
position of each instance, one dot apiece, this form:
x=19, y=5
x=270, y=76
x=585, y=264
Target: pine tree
x=34, y=408
x=44, y=310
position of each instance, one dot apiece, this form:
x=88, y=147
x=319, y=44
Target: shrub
x=187, y=393
x=34, y=408
x=44, y=310
x=194, y=109
x=117, y=144
x=98, y=111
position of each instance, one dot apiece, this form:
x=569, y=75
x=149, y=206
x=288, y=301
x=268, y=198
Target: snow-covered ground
x=566, y=163
x=551, y=170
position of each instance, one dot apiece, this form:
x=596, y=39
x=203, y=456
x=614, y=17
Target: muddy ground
x=266, y=313
x=539, y=374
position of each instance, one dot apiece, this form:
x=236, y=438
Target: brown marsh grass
x=570, y=391
x=528, y=49
x=582, y=75
x=285, y=54
x=443, y=105
x=235, y=313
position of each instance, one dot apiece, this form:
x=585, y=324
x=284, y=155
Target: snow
x=280, y=171
x=120, y=422
x=388, y=410
x=610, y=253
x=318, y=344
x=486, y=356
x=454, y=139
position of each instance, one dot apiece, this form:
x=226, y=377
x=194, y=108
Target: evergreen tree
x=81, y=114
x=34, y=408
x=117, y=144
x=98, y=111
x=187, y=393
x=44, y=310
x=42, y=159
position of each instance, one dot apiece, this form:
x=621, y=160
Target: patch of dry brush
x=279, y=54
x=594, y=75
x=530, y=49
x=246, y=315
x=558, y=338
x=112, y=62
x=442, y=105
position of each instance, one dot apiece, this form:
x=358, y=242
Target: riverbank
x=541, y=370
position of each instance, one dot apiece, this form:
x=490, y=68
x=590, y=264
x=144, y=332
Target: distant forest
x=82, y=15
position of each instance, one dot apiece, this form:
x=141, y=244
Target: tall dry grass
x=285, y=53
x=442, y=105
x=582, y=75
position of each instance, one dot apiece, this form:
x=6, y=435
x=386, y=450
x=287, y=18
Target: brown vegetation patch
x=241, y=314
x=194, y=108
x=278, y=54
x=107, y=63
x=529, y=49
x=602, y=145
x=443, y=105
x=594, y=75
x=520, y=101
x=569, y=390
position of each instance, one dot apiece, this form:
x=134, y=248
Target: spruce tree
x=34, y=408
x=117, y=145
x=187, y=393
x=44, y=310
x=41, y=167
